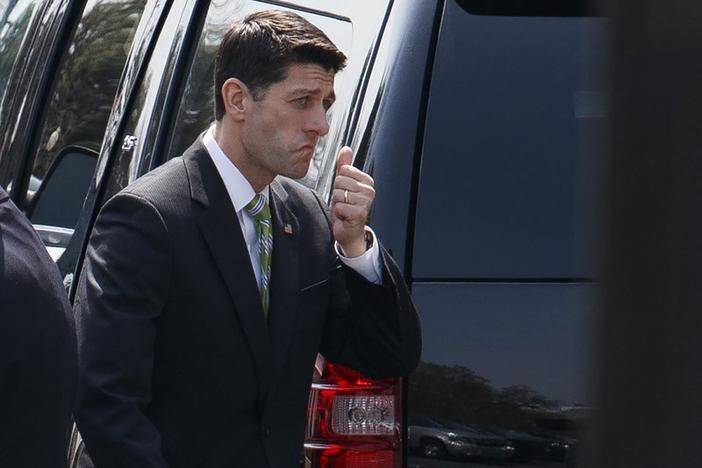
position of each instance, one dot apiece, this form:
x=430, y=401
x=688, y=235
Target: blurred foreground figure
x=37, y=348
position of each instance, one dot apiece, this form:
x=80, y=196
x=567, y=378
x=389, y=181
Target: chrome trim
x=54, y=236
x=328, y=385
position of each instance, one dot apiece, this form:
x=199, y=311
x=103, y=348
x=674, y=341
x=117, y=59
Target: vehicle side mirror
x=56, y=201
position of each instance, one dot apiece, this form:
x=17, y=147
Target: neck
x=230, y=142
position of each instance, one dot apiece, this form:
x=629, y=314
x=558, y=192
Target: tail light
x=353, y=421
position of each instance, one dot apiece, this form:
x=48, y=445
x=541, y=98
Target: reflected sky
x=537, y=335
x=514, y=137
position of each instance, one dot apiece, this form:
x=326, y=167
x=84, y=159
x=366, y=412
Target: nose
x=317, y=121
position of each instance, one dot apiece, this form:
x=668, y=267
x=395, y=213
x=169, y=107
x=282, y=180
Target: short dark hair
x=259, y=50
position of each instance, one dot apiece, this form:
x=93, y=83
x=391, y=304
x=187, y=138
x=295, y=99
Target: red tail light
x=353, y=421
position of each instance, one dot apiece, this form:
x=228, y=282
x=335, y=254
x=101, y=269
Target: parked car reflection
x=528, y=447
x=444, y=439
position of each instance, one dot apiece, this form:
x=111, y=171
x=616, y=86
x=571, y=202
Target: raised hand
x=352, y=199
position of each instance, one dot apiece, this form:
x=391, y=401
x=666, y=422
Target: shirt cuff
x=367, y=264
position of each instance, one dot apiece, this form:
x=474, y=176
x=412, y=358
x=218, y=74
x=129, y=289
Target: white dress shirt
x=241, y=193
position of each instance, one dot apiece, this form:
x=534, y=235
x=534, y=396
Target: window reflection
x=503, y=365
x=15, y=19
x=472, y=421
x=513, y=137
x=514, y=134
x=87, y=80
x=127, y=167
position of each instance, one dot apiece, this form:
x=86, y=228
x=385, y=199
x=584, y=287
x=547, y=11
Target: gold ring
x=346, y=196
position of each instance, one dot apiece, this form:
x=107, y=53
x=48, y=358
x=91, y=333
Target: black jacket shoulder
x=38, y=356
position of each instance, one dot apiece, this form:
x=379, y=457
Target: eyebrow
x=301, y=91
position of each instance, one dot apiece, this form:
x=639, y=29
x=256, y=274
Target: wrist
x=357, y=247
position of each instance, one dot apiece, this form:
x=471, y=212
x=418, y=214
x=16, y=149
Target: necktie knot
x=258, y=208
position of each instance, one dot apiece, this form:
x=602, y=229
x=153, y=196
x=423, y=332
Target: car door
x=49, y=157
x=503, y=264
x=489, y=153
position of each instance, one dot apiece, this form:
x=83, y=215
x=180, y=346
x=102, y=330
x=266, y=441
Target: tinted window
x=59, y=199
x=83, y=93
x=505, y=214
x=196, y=111
x=15, y=19
x=529, y=335
x=510, y=149
x=507, y=360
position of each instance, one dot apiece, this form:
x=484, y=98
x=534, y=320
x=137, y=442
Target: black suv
x=480, y=122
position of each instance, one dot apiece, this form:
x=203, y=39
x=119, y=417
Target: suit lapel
x=285, y=275
x=220, y=227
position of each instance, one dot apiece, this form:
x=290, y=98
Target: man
x=211, y=283
x=37, y=349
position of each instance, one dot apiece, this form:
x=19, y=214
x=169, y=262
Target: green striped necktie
x=261, y=213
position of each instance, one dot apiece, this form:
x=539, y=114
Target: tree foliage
x=458, y=394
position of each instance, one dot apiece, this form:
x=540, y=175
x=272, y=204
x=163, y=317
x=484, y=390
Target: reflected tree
x=458, y=394
x=85, y=88
x=523, y=395
x=11, y=34
x=196, y=110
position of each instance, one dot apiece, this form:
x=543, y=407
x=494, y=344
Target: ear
x=236, y=97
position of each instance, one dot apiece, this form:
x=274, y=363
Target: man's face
x=281, y=131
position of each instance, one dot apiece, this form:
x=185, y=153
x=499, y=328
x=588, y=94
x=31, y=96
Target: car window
x=80, y=102
x=512, y=360
x=57, y=202
x=196, y=110
x=15, y=19
x=513, y=131
x=135, y=154
x=501, y=268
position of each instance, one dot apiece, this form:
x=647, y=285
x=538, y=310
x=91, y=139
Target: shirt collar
x=240, y=190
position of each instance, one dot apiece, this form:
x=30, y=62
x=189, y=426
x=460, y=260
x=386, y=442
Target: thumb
x=345, y=157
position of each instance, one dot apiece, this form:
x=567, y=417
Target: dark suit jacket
x=178, y=366
x=37, y=349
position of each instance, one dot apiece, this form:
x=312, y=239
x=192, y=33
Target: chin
x=299, y=174
x=299, y=171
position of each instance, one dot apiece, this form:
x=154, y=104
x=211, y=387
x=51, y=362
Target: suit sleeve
x=120, y=294
x=371, y=328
